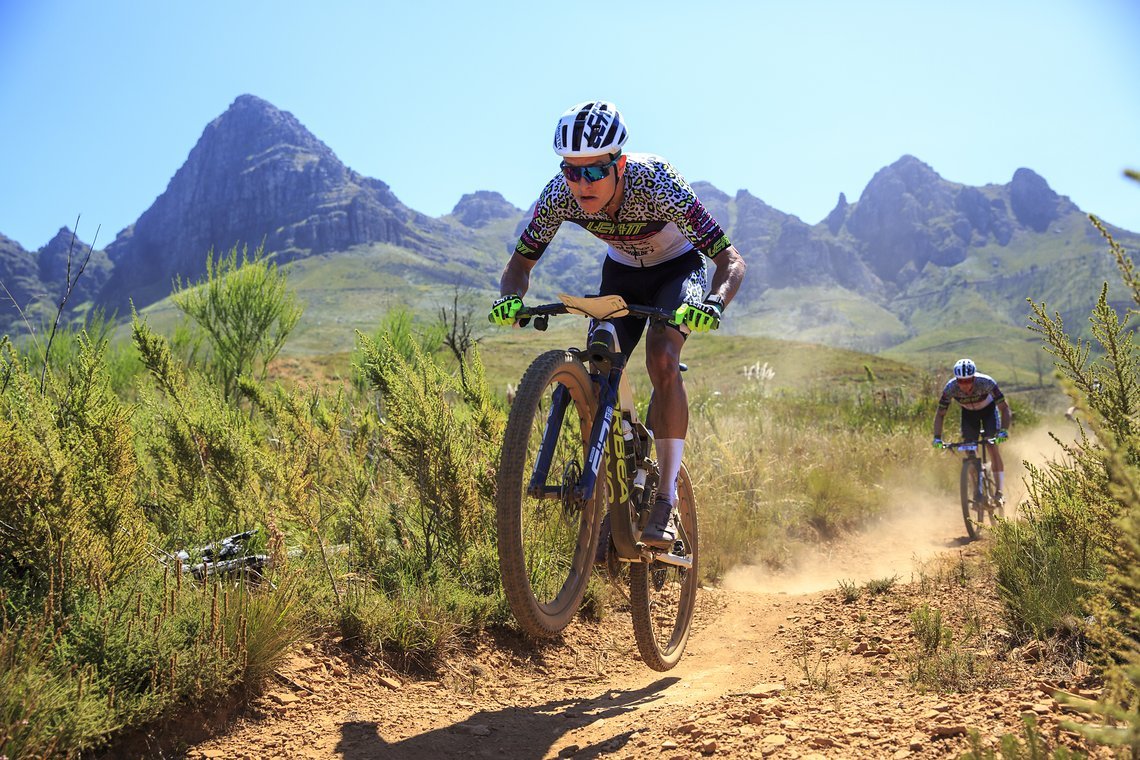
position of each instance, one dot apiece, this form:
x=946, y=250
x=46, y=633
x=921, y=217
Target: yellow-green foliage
x=132, y=653
x=1079, y=550
x=203, y=474
x=246, y=310
x=442, y=435
x=324, y=477
x=68, y=509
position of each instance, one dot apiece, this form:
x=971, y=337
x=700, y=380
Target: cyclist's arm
x=680, y=205
x=939, y=416
x=516, y=276
x=730, y=269
x=1006, y=414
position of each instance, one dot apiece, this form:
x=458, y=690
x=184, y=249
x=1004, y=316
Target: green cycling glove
x=504, y=309
x=701, y=318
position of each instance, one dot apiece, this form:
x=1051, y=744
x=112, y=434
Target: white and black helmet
x=964, y=368
x=593, y=128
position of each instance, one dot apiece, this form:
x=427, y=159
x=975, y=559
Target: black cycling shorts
x=666, y=286
x=980, y=423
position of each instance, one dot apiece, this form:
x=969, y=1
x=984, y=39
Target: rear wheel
x=546, y=536
x=971, y=507
x=663, y=596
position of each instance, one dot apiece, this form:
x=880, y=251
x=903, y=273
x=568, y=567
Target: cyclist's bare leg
x=997, y=465
x=669, y=420
x=669, y=417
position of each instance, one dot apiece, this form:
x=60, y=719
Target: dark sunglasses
x=589, y=173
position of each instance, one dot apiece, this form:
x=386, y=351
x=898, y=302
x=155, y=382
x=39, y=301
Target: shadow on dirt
x=527, y=733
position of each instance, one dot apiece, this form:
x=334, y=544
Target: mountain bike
x=574, y=449
x=977, y=485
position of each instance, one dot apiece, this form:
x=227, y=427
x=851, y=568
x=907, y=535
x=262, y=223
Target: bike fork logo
x=619, y=465
x=600, y=446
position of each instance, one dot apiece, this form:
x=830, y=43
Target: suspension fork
x=559, y=400
x=599, y=433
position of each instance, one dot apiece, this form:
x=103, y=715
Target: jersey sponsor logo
x=699, y=219
x=719, y=245
x=620, y=229
x=528, y=246
x=711, y=237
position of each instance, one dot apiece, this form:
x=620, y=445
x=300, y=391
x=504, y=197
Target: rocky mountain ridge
x=257, y=176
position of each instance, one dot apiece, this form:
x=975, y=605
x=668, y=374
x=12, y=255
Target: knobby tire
x=663, y=597
x=546, y=546
x=971, y=471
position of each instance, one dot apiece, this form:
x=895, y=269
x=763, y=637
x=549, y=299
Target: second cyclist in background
x=659, y=237
x=985, y=413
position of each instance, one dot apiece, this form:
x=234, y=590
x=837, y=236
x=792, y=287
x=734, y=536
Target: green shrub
x=202, y=452
x=1080, y=549
x=68, y=510
x=246, y=311
x=442, y=435
x=134, y=653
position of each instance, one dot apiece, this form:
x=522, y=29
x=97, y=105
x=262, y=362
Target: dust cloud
x=917, y=527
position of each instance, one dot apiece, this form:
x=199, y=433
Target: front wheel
x=995, y=510
x=663, y=596
x=973, y=508
x=546, y=536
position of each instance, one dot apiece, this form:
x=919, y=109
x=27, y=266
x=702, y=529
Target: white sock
x=669, y=451
x=1000, y=481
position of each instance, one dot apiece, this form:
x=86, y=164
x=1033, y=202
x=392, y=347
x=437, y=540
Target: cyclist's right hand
x=504, y=309
x=938, y=444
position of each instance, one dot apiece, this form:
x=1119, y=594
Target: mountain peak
x=255, y=176
x=252, y=125
x=1032, y=200
x=481, y=208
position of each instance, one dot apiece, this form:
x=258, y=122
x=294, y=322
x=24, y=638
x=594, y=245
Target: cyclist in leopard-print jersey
x=659, y=237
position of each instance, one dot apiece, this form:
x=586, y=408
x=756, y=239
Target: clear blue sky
x=101, y=101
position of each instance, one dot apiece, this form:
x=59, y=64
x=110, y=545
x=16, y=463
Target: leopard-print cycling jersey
x=660, y=217
x=984, y=392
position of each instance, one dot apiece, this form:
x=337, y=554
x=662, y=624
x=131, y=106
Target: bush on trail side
x=1074, y=563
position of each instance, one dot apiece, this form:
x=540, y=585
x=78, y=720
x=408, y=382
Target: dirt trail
x=778, y=666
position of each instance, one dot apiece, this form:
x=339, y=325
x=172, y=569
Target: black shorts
x=666, y=286
x=980, y=423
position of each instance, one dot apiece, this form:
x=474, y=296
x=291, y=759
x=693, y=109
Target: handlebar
x=967, y=445
x=598, y=307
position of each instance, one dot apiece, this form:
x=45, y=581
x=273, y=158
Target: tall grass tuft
x=766, y=482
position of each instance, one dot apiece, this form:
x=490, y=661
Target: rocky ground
x=901, y=661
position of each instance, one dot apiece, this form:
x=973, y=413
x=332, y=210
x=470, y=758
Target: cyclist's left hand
x=700, y=318
x=1003, y=435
